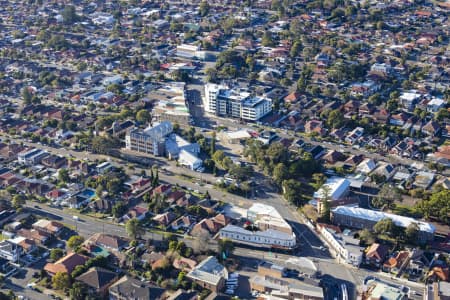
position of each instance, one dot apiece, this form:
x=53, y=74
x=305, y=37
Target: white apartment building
x=235, y=103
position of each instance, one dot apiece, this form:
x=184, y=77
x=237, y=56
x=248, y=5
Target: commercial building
x=342, y=244
x=209, y=274
x=187, y=51
x=189, y=160
x=235, y=103
x=271, y=281
x=171, y=104
x=175, y=144
x=377, y=289
x=272, y=230
x=361, y=218
x=150, y=140
x=335, y=189
x=439, y=290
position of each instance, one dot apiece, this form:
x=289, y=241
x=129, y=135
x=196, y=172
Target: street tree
x=78, y=291
x=280, y=173
x=63, y=175
x=56, y=254
x=225, y=248
x=386, y=198
x=75, y=242
x=143, y=116
x=134, y=229
x=201, y=241
x=69, y=15
x=292, y=191
x=367, y=236
x=61, y=281
x=27, y=96
x=18, y=201
x=203, y=8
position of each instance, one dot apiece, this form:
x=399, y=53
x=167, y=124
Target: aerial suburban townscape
x=225, y=149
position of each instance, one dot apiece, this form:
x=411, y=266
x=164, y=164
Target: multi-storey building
x=150, y=140
x=235, y=103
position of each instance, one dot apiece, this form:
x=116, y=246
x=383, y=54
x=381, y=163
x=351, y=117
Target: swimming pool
x=87, y=193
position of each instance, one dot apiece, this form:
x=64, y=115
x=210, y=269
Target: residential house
x=98, y=280
x=208, y=204
x=129, y=288
x=384, y=169
x=27, y=245
x=54, y=161
x=174, y=196
x=31, y=157
x=101, y=205
x=399, y=119
x=333, y=156
x=410, y=99
x=432, y=128
x=351, y=106
x=211, y=225
x=10, y=151
x=56, y=195
x=315, y=126
x=354, y=135
x=423, y=179
x=209, y=274
x=51, y=227
x=107, y=241
x=183, y=263
x=10, y=251
x=164, y=219
x=354, y=160
x=396, y=263
x=292, y=97
x=184, y=295
x=163, y=190
x=137, y=212
x=183, y=222
x=376, y=254
x=39, y=237
x=65, y=264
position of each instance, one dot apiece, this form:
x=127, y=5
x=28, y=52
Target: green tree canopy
x=384, y=226
x=75, y=242
x=143, y=116
x=134, y=229
x=225, y=247
x=61, y=281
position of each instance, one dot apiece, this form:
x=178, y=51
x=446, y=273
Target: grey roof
x=97, y=277
x=210, y=271
x=130, y=288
